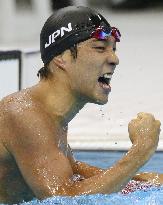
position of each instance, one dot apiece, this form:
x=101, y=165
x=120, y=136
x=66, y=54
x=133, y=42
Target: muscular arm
x=82, y=168
x=87, y=171
x=48, y=172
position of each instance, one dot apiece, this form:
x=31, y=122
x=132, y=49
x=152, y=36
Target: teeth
x=108, y=76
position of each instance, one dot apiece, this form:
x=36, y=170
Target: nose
x=113, y=60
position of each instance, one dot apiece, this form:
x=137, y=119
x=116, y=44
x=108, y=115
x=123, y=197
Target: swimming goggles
x=101, y=34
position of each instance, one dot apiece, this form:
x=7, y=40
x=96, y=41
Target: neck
x=58, y=100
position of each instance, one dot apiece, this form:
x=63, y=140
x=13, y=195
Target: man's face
x=91, y=72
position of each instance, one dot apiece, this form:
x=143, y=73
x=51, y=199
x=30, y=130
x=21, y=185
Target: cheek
x=90, y=65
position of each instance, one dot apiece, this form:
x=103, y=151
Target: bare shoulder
x=28, y=128
x=19, y=105
x=31, y=138
x=22, y=117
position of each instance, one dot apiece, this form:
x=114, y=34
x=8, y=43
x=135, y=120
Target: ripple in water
x=149, y=196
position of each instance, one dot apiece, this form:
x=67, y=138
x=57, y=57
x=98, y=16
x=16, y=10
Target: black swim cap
x=66, y=27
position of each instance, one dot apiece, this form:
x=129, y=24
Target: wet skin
x=35, y=159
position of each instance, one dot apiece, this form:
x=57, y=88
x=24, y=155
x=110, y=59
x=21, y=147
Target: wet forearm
x=113, y=179
x=105, y=181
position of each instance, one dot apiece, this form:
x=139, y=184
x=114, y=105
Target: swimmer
x=77, y=47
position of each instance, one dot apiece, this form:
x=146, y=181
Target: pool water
x=149, y=197
x=104, y=159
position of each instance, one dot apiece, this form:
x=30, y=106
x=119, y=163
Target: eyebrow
x=102, y=40
x=99, y=40
x=106, y=42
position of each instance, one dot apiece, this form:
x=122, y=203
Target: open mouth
x=104, y=81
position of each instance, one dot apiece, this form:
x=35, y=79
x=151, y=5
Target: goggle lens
x=101, y=34
x=116, y=34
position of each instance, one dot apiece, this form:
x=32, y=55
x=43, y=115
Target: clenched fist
x=144, y=131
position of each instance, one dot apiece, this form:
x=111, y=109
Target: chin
x=97, y=98
x=100, y=101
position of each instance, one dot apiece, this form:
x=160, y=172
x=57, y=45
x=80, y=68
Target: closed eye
x=102, y=48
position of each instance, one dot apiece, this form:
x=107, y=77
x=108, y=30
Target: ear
x=58, y=60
